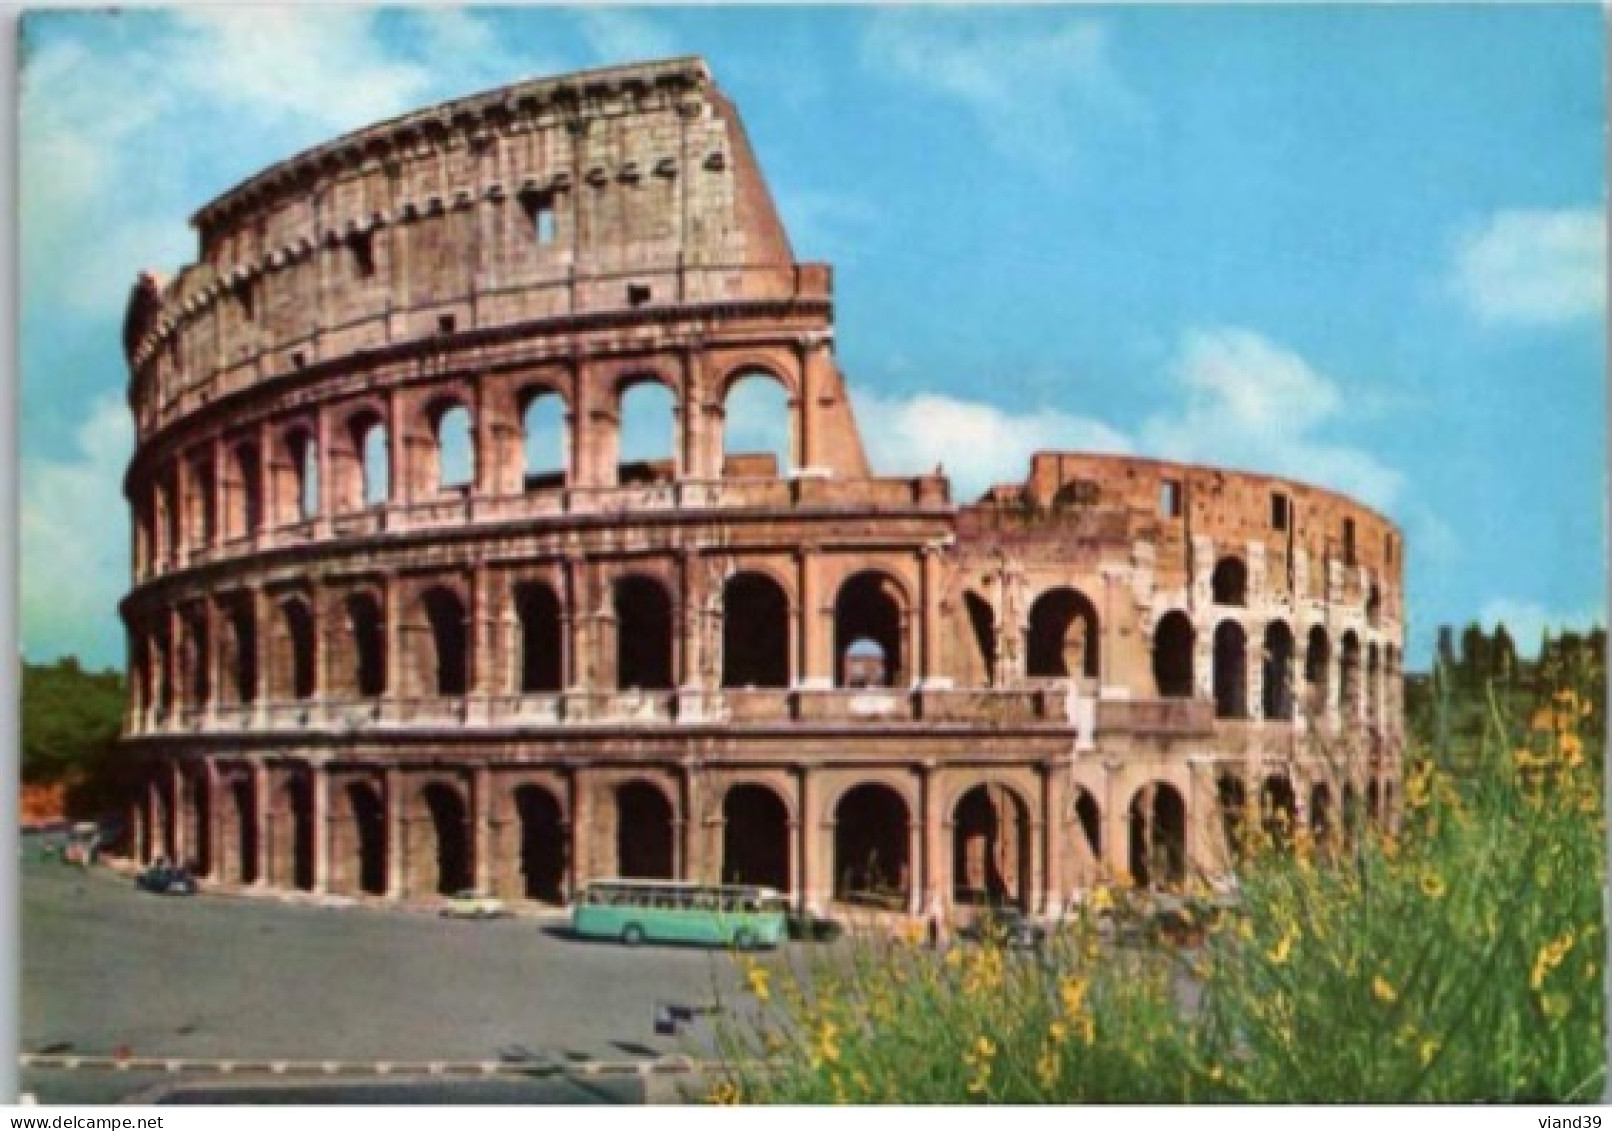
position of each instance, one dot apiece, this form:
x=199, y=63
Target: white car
x=474, y=905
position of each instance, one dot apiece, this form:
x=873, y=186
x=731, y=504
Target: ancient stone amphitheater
x=403, y=621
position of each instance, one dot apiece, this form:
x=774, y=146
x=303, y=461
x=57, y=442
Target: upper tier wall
x=626, y=189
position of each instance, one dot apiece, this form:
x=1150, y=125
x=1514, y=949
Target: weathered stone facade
x=357, y=668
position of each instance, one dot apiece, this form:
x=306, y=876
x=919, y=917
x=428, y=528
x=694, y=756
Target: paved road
x=108, y=969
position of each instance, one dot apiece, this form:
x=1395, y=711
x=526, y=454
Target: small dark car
x=165, y=879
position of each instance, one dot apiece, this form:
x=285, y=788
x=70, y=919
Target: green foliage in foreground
x=70, y=719
x=1457, y=958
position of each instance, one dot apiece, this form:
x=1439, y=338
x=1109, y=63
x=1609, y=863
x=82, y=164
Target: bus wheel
x=744, y=939
x=632, y=935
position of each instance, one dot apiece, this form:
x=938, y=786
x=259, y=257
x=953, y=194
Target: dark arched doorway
x=543, y=844
x=644, y=832
x=871, y=859
x=1064, y=637
x=755, y=632
x=1158, y=821
x=990, y=848
x=755, y=838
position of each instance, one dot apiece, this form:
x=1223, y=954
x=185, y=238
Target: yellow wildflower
x=759, y=980
x=1383, y=990
x=1428, y=1051
x=1101, y=900
x=725, y=1092
x=1057, y=1032
x=1432, y=885
x=1072, y=993
x=1046, y=1067
x=1555, y=1006
x=1284, y=945
x=1550, y=956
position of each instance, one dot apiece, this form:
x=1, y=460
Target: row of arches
x=235, y=490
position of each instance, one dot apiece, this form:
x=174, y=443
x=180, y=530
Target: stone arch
x=1158, y=835
x=297, y=475
x=545, y=437
x=544, y=850
x=991, y=853
x=872, y=864
x=982, y=623
x=1278, y=810
x=644, y=832
x=243, y=512
x=755, y=632
x=196, y=658
x=1173, y=645
x=450, y=459
x=1231, y=671
x=1232, y=796
x=1350, y=809
x=440, y=854
x=358, y=838
x=1277, y=692
x=1374, y=809
x=1089, y=817
x=1374, y=605
x=1065, y=635
x=758, y=412
x=755, y=837
x=239, y=834
x=1317, y=659
x=166, y=506
x=1229, y=583
x=871, y=606
x=198, y=809
x=203, y=509
x=292, y=668
x=1373, y=681
x=444, y=668
x=644, y=633
x=1321, y=817
x=646, y=404
x=240, y=651
x=366, y=628
x=1349, y=675
x=360, y=468
x=540, y=637
x=294, y=838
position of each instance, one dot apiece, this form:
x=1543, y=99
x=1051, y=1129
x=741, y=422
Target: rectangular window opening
x=539, y=208
x=245, y=300
x=1279, y=511
x=1170, y=498
x=446, y=323
x=363, y=251
x=1349, y=541
x=637, y=294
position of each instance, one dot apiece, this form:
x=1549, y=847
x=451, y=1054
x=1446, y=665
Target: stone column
x=392, y=783
x=693, y=862
x=808, y=893
x=1254, y=665
x=1055, y=806
x=481, y=788
x=933, y=666
x=177, y=816
x=815, y=659
x=319, y=803
x=936, y=896
x=581, y=808
x=260, y=822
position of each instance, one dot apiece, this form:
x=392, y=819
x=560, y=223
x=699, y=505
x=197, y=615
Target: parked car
x=1007, y=927
x=474, y=905
x=166, y=879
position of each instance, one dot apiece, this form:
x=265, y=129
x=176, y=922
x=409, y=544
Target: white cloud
x=618, y=35
x=1543, y=268
x=1030, y=85
x=1526, y=621
x=977, y=444
x=1249, y=403
x=75, y=540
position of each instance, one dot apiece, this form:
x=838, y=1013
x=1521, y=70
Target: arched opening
x=455, y=446
x=1373, y=802
x=1091, y=823
x=245, y=517
x=871, y=863
x=196, y=659
x=756, y=428
x=869, y=607
x=1278, y=811
x=204, y=502
x=543, y=844
x=200, y=831
x=1063, y=635
x=990, y=848
x=647, y=437
x=1351, y=809
x=1233, y=800
x=241, y=633
x=241, y=817
x=367, y=629
x=1373, y=682
x=1229, y=583
x=375, y=455
x=305, y=474
x=168, y=516
x=296, y=652
x=1317, y=656
x=1374, y=605
x=545, y=450
x=448, y=672
x=755, y=632
x=1231, y=671
x=1321, y=820
x=1172, y=656
x=1349, y=676
x=442, y=841
x=865, y=665
x=296, y=835
x=982, y=622
x=643, y=832
x=1277, y=692
x=643, y=634
x=537, y=610
x=162, y=670
x=364, y=844
x=1158, y=826
x=755, y=837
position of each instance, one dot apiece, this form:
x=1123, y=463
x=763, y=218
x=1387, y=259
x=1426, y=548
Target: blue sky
x=1362, y=246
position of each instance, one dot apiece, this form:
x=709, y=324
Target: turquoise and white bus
x=637, y=911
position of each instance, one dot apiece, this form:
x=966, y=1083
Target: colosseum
x=404, y=620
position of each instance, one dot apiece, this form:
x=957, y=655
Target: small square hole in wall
x=1170, y=498
x=363, y=252
x=637, y=294
x=539, y=208
x=446, y=323
x=1279, y=511
x=298, y=361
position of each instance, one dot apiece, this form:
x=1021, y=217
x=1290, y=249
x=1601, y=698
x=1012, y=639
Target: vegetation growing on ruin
x=1455, y=958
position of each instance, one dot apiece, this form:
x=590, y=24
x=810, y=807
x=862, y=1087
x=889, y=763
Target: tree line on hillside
x=1491, y=657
